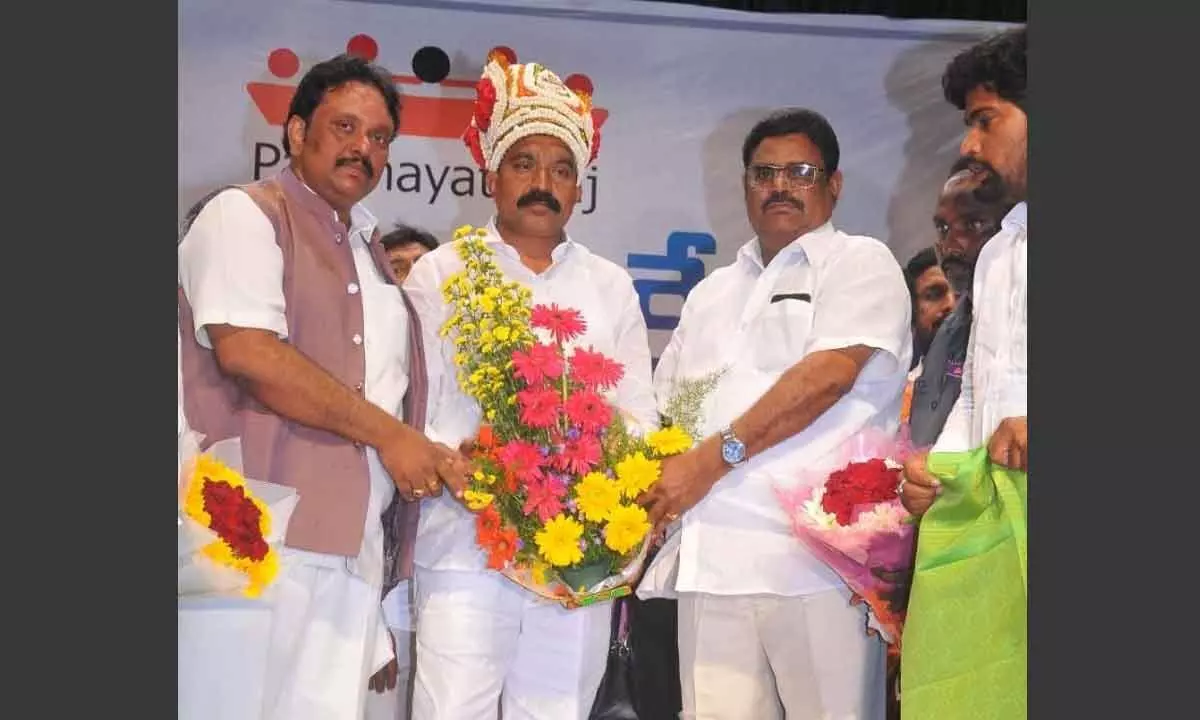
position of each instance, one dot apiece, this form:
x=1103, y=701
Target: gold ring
x=418, y=493
x=672, y=517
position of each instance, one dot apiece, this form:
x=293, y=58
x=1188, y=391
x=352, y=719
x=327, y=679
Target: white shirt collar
x=558, y=254
x=813, y=246
x=1016, y=218
x=362, y=221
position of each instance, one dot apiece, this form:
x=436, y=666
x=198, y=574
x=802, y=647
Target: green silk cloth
x=964, y=649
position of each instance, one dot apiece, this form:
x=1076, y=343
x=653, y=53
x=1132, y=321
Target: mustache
x=540, y=196
x=361, y=160
x=992, y=188
x=780, y=196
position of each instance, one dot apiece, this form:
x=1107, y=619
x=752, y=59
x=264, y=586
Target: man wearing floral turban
x=485, y=645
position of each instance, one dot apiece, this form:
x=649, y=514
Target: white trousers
x=395, y=704
x=326, y=642
x=764, y=657
x=484, y=643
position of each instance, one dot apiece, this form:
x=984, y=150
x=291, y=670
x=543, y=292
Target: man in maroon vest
x=297, y=341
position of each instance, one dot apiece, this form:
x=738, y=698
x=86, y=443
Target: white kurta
x=326, y=636
x=996, y=369
x=478, y=634
x=765, y=626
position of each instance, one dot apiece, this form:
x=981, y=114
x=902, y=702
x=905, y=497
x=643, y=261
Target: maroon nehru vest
x=329, y=472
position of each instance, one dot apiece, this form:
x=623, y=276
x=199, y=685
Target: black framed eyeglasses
x=797, y=175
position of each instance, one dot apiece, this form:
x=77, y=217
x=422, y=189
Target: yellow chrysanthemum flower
x=636, y=473
x=627, y=527
x=671, y=440
x=558, y=541
x=597, y=495
x=502, y=333
x=477, y=500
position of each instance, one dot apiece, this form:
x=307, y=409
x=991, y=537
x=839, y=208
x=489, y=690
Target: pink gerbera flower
x=588, y=411
x=540, y=363
x=580, y=455
x=544, y=497
x=595, y=370
x=563, y=323
x=539, y=407
x=522, y=459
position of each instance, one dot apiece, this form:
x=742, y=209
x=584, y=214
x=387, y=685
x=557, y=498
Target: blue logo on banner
x=678, y=258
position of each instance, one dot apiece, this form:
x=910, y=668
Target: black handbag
x=641, y=680
x=615, y=696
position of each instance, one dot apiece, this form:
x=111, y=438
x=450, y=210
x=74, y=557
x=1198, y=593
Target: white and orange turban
x=514, y=101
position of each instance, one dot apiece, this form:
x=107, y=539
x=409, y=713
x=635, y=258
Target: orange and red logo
x=422, y=115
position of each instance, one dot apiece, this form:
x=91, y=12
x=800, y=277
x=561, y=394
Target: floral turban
x=514, y=101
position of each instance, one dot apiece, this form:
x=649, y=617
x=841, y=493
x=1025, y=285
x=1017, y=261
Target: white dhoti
x=396, y=704
x=326, y=641
x=762, y=657
x=486, y=644
x=327, y=633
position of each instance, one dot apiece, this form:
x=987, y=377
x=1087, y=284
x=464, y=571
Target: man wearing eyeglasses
x=970, y=208
x=809, y=330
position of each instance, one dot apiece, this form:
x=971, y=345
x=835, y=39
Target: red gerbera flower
x=563, y=323
x=545, y=496
x=595, y=370
x=522, y=460
x=539, y=407
x=588, y=411
x=580, y=455
x=542, y=362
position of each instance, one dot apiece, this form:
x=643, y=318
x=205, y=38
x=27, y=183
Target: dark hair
x=333, y=74
x=405, y=234
x=796, y=121
x=916, y=267
x=997, y=64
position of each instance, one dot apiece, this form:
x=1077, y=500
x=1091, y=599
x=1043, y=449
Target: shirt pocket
x=780, y=333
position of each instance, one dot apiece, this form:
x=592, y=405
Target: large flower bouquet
x=852, y=519
x=229, y=526
x=557, y=465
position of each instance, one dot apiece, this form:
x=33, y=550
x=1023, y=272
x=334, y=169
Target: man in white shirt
x=809, y=334
x=297, y=342
x=484, y=644
x=987, y=82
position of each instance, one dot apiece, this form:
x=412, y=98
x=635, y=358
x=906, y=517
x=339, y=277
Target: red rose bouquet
x=228, y=525
x=852, y=519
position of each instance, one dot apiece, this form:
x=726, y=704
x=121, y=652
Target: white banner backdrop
x=681, y=87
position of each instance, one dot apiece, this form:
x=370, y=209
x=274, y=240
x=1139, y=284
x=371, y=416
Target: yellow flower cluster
x=490, y=319
x=607, y=501
x=259, y=572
